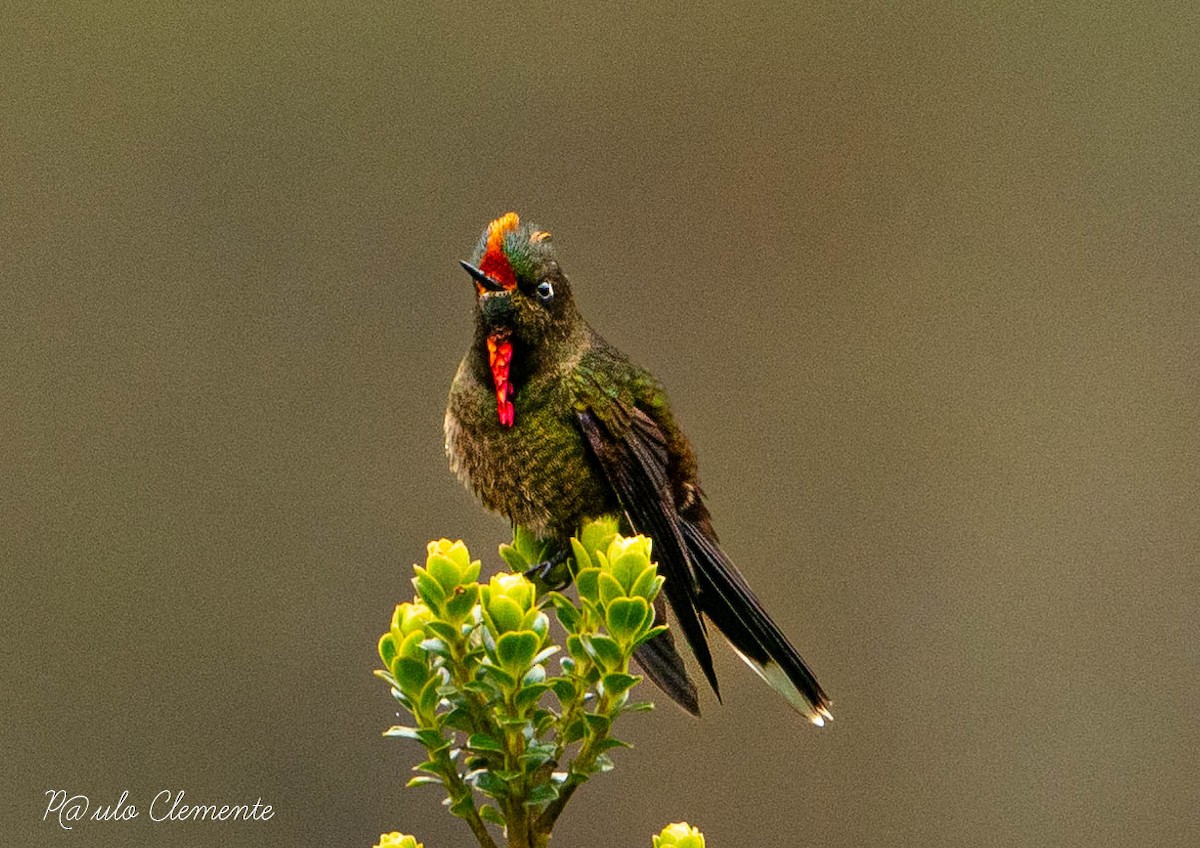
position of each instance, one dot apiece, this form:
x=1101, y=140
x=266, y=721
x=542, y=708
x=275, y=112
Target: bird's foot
x=552, y=571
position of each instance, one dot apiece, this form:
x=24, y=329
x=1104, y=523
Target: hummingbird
x=550, y=425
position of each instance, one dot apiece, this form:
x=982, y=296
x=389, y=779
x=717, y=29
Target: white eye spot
x=545, y=291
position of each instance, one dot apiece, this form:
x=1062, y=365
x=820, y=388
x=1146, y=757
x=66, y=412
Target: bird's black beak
x=485, y=282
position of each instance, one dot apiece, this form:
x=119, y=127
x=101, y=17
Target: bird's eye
x=545, y=291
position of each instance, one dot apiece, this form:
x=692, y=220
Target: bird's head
x=524, y=312
x=520, y=290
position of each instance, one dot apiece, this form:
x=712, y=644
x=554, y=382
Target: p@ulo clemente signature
x=167, y=806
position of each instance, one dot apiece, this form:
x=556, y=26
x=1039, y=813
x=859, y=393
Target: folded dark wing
x=634, y=462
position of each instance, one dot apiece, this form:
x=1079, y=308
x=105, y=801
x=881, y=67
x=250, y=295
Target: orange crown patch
x=494, y=262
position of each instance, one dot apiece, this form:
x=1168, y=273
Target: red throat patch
x=494, y=263
x=499, y=359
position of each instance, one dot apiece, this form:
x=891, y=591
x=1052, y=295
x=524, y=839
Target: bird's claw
x=541, y=573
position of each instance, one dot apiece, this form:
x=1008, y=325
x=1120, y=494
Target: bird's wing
x=633, y=454
x=634, y=461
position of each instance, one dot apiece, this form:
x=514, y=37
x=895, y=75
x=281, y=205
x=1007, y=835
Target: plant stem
x=480, y=830
x=458, y=791
x=577, y=774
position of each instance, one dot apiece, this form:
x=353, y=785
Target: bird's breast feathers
x=534, y=471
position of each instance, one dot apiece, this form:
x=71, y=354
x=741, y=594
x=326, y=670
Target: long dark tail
x=700, y=580
x=727, y=601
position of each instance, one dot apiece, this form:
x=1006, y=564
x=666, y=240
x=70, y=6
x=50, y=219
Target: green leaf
x=543, y=720
x=459, y=718
x=617, y=684
x=444, y=571
x=489, y=784
x=585, y=584
x=491, y=815
x=529, y=694
x=543, y=793
x=638, y=707
x=575, y=731
x=529, y=545
x=387, y=649
x=429, y=695
x=577, y=649
x=445, y=631
x=403, y=732
x=568, y=616
x=609, y=588
x=474, y=764
x=424, y=780
x=483, y=742
x=495, y=678
x=563, y=688
x=514, y=723
x=535, y=620
x=625, y=617
x=460, y=603
x=411, y=646
x=433, y=740
x=538, y=755
x=513, y=559
x=434, y=646
x=515, y=651
x=505, y=612
x=627, y=567
x=592, y=613
x=411, y=675
x=646, y=586
x=598, y=724
x=650, y=634
x=485, y=687
x=608, y=744
x=596, y=535
x=606, y=651
x=679, y=835
x=430, y=591
x=387, y=677
x=537, y=671
x=429, y=767
x=463, y=806
x=579, y=552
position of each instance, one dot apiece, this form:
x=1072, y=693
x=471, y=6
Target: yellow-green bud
x=450, y=564
x=626, y=571
x=679, y=835
x=408, y=628
x=447, y=582
x=636, y=545
x=400, y=648
x=595, y=535
x=406, y=633
x=397, y=840
x=455, y=551
x=509, y=599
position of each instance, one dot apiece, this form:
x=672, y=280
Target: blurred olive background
x=922, y=283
